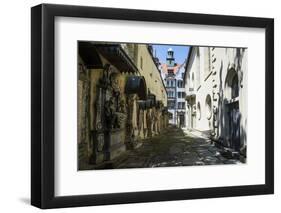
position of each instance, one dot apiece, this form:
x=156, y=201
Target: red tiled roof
x=164, y=68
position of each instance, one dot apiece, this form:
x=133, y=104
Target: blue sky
x=180, y=52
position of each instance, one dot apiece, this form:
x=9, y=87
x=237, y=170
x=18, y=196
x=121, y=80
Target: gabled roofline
x=192, y=48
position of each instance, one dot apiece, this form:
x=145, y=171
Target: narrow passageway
x=173, y=147
x=131, y=103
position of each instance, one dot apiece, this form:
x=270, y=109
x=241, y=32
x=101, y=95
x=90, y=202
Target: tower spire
x=170, y=60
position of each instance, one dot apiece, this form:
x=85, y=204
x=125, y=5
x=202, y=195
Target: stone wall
x=111, y=117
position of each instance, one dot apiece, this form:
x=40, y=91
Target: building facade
x=121, y=100
x=172, y=73
x=216, y=95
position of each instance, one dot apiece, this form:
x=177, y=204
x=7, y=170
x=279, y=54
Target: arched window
x=231, y=85
x=208, y=104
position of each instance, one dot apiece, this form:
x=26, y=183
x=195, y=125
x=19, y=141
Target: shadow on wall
x=232, y=133
x=220, y=104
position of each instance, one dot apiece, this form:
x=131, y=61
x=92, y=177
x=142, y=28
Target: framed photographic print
x=139, y=106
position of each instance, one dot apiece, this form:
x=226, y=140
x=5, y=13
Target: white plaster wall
x=205, y=81
x=203, y=123
x=192, y=69
x=226, y=60
x=203, y=88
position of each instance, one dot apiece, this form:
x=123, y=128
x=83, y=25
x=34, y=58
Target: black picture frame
x=43, y=105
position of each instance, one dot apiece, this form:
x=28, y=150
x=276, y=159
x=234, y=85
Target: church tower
x=170, y=60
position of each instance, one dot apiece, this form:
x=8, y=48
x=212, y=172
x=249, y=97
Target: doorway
x=182, y=120
x=234, y=125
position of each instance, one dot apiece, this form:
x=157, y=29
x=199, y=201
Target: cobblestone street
x=174, y=147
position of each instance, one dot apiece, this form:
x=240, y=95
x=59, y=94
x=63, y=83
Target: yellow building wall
x=151, y=74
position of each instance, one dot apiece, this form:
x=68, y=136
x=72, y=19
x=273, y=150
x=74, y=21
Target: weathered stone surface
x=168, y=149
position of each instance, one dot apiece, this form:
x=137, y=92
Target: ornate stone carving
x=114, y=105
x=122, y=106
x=111, y=119
x=215, y=117
x=99, y=109
x=140, y=121
x=105, y=80
x=130, y=105
x=100, y=144
x=149, y=122
x=109, y=114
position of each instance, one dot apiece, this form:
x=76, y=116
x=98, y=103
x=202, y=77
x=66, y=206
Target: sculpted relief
x=112, y=103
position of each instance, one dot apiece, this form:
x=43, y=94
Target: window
x=171, y=104
x=181, y=94
x=171, y=94
x=170, y=72
x=231, y=85
x=181, y=105
x=172, y=83
x=180, y=84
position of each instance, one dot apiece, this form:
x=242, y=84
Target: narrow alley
x=174, y=147
x=137, y=109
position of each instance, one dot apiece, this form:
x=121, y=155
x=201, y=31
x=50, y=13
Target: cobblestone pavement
x=174, y=147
